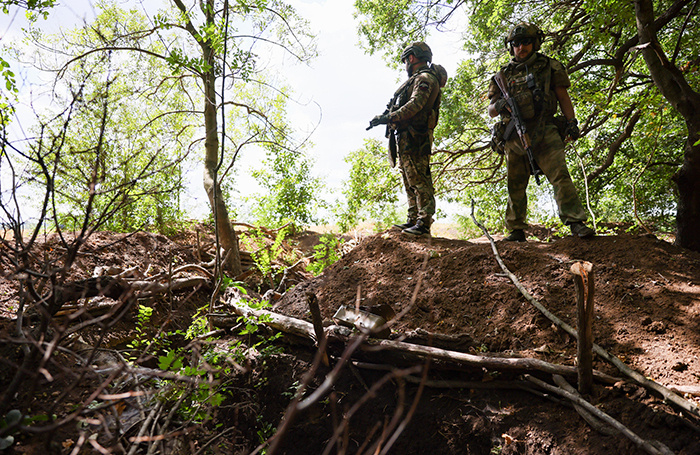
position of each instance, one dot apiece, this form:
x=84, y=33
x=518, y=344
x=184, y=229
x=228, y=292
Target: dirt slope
x=647, y=312
x=647, y=295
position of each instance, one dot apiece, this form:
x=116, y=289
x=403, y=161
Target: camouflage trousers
x=414, y=162
x=548, y=151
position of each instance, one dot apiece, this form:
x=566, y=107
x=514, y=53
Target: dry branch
x=637, y=377
x=416, y=352
x=298, y=404
x=317, y=323
x=490, y=363
x=685, y=389
x=592, y=420
x=395, y=374
x=641, y=443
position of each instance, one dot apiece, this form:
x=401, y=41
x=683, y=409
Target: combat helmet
x=420, y=50
x=525, y=30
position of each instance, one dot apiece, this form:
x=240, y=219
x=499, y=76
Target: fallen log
x=417, y=353
x=107, y=286
x=90, y=287
x=113, y=288
x=150, y=288
x=488, y=362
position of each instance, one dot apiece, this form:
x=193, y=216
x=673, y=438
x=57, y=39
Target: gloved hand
x=500, y=105
x=382, y=119
x=572, y=129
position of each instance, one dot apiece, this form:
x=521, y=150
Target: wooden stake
x=584, y=280
x=317, y=324
x=668, y=396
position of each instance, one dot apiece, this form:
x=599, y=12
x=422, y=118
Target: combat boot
x=581, y=230
x=516, y=235
x=409, y=223
x=419, y=228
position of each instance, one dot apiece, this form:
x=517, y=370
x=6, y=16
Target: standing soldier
x=411, y=117
x=539, y=86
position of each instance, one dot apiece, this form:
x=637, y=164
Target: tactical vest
x=426, y=119
x=529, y=84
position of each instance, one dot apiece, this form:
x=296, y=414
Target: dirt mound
x=647, y=313
x=647, y=294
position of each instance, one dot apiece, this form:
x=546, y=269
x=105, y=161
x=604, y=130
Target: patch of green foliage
x=143, y=337
x=265, y=255
x=10, y=422
x=372, y=190
x=208, y=370
x=326, y=253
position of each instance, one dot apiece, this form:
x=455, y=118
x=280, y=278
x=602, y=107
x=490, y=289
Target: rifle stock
x=520, y=127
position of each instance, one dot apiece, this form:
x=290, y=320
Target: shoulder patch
x=427, y=76
x=422, y=85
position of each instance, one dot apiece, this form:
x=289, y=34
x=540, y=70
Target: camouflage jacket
x=416, y=102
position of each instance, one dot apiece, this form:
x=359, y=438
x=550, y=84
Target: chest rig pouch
x=528, y=84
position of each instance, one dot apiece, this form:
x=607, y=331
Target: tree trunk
x=688, y=212
x=673, y=86
x=224, y=228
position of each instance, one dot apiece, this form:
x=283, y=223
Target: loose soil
x=647, y=313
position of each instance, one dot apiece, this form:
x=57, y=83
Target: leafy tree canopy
x=632, y=138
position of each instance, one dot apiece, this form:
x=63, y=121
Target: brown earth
x=647, y=313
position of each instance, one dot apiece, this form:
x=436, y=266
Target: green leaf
x=13, y=417
x=170, y=362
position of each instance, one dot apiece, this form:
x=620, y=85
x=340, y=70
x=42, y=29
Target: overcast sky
x=349, y=85
x=340, y=90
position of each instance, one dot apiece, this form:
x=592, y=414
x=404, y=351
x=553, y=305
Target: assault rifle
x=389, y=133
x=517, y=120
x=390, y=107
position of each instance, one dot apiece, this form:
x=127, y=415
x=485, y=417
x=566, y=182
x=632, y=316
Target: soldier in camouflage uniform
x=539, y=85
x=411, y=116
